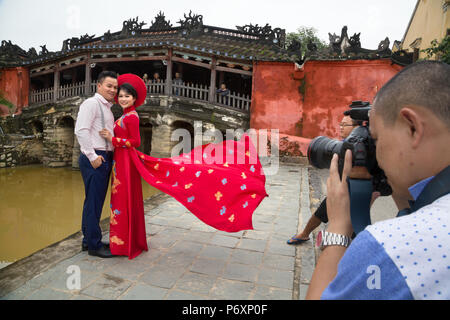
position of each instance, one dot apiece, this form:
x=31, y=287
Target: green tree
x=441, y=51
x=304, y=35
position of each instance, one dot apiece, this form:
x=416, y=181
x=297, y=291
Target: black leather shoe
x=102, y=253
x=84, y=247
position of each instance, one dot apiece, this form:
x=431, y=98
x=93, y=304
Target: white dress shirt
x=89, y=124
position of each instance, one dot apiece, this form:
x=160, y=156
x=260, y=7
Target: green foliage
x=7, y=103
x=441, y=51
x=304, y=34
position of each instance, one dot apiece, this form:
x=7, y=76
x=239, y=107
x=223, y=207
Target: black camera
x=321, y=149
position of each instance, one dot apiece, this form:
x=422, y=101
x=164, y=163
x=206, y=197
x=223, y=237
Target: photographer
x=406, y=257
x=320, y=215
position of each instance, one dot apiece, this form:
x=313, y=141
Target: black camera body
x=321, y=149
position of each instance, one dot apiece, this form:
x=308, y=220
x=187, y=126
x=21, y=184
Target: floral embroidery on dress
x=218, y=195
x=116, y=240
x=115, y=181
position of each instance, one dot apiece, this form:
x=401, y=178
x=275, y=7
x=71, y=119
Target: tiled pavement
x=189, y=260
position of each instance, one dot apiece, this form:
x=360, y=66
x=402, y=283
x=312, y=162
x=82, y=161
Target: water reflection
x=40, y=206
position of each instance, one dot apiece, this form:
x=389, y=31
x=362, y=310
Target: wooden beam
x=56, y=83
x=232, y=70
x=41, y=73
x=169, y=72
x=212, y=86
x=73, y=65
x=195, y=63
x=146, y=58
x=88, y=77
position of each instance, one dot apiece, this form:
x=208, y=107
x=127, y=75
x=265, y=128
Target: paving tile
x=149, y=257
x=232, y=290
x=247, y=257
x=262, y=226
x=211, y=267
x=199, y=236
x=196, y=283
x=187, y=247
x=303, y=291
x=241, y=272
x=276, y=261
x=128, y=269
x=256, y=235
x=20, y=293
x=276, y=278
x=216, y=252
x=162, y=276
x=278, y=245
x=60, y=283
x=224, y=241
x=253, y=245
x=107, y=287
x=271, y=293
x=49, y=294
x=181, y=295
x=176, y=260
x=142, y=291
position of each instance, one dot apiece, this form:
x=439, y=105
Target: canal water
x=41, y=206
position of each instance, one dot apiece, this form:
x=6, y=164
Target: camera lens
x=321, y=150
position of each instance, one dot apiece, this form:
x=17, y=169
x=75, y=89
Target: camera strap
x=439, y=186
x=360, y=196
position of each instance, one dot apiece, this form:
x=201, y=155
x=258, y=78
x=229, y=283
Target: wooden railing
x=179, y=89
x=41, y=96
x=191, y=91
x=71, y=90
x=156, y=87
x=237, y=101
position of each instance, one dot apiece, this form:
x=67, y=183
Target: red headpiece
x=137, y=83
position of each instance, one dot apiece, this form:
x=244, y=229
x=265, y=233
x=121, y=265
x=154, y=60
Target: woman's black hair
x=128, y=88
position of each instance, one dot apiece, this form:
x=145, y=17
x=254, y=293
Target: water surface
x=41, y=206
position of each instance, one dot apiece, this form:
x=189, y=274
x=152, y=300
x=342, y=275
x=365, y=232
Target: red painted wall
x=14, y=86
x=309, y=102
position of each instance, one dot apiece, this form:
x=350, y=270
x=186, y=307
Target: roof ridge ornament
x=276, y=36
x=191, y=24
x=132, y=27
x=160, y=23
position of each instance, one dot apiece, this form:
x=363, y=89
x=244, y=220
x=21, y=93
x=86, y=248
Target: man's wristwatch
x=325, y=238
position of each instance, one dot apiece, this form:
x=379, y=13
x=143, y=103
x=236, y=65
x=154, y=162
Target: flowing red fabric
x=221, y=184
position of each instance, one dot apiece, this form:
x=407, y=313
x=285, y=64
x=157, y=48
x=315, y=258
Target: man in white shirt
x=96, y=159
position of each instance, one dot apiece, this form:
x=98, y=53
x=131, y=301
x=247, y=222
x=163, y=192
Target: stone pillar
x=161, y=144
x=212, y=86
x=75, y=153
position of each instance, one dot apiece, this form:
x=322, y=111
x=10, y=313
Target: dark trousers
x=96, y=183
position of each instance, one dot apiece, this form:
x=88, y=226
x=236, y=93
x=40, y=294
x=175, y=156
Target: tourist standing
x=96, y=160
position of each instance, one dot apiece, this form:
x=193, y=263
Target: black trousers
x=96, y=183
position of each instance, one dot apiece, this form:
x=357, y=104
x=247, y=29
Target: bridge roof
x=245, y=44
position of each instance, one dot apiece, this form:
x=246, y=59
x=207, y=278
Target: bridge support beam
x=212, y=87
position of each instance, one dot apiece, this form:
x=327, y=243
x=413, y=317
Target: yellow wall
x=429, y=22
